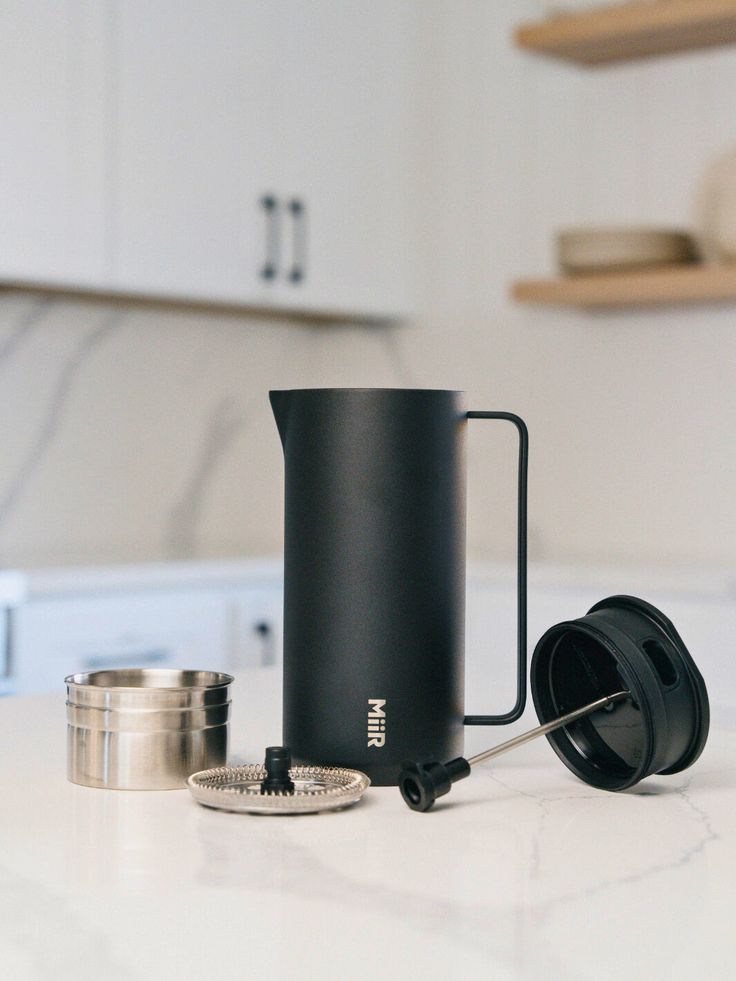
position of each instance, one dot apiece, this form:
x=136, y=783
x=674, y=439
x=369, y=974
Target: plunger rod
x=563, y=720
x=421, y=783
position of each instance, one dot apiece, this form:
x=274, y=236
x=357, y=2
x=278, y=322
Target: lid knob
x=277, y=766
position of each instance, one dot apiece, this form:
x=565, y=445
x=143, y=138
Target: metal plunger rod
x=421, y=783
x=563, y=720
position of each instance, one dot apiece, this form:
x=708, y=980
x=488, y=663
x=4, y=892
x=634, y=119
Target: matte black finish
x=621, y=641
x=618, y=695
x=375, y=576
x=277, y=765
x=270, y=267
x=422, y=783
x=298, y=271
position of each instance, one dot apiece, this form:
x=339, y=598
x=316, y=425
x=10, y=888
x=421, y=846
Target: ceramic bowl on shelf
x=617, y=249
x=555, y=8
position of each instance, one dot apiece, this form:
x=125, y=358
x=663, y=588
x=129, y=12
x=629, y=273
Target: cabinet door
x=256, y=618
x=343, y=151
x=52, y=142
x=191, y=134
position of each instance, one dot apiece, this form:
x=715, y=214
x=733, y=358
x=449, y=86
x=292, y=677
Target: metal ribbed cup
x=145, y=729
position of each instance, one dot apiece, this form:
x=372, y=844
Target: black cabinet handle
x=267, y=635
x=270, y=267
x=298, y=212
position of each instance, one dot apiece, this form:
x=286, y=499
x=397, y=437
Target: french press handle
x=519, y=705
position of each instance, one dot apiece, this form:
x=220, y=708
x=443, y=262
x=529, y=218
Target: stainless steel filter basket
x=144, y=729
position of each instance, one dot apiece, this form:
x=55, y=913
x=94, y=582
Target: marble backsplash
x=131, y=434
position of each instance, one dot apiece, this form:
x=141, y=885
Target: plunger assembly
x=422, y=783
x=642, y=705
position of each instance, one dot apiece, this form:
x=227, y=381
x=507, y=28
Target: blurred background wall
x=132, y=435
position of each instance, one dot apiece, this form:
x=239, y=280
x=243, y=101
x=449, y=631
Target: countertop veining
x=524, y=872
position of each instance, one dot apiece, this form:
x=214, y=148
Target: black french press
x=374, y=570
x=374, y=612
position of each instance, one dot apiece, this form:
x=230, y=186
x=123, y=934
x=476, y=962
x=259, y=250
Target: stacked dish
x=592, y=250
x=556, y=8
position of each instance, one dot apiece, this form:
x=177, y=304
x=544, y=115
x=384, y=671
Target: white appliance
x=228, y=615
x=205, y=614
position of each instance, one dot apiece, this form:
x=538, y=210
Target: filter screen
x=581, y=670
x=316, y=788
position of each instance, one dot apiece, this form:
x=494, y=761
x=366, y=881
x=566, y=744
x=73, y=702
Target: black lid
x=621, y=640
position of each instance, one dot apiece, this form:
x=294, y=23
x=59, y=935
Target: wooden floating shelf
x=632, y=30
x=657, y=287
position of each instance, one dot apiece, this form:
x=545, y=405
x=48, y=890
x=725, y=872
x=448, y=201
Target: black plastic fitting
x=422, y=783
x=277, y=766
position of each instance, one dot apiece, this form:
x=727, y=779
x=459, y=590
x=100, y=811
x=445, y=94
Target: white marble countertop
x=523, y=872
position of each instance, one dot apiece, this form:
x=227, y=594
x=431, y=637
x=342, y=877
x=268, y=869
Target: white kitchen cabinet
x=191, y=125
x=342, y=151
x=254, y=152
x=222, y=107
x=256, y=621
x=53, y=142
